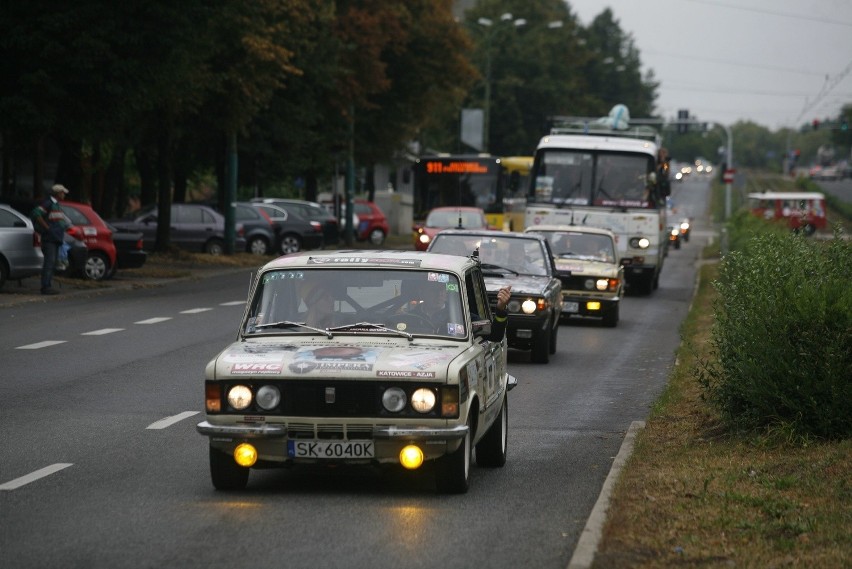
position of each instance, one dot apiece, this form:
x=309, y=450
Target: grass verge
x=693, y=494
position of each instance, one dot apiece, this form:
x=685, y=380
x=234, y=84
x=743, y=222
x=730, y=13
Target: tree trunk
x=164, y=190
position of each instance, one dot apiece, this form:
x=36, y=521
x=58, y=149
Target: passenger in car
x=320, y=302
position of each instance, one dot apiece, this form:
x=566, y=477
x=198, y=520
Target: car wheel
x=258, y=246
x=491, y=450
x=4, y=273
x=225, y=473
x=96, y=267
x=541, y=346
x=214, y=247
x=377, y=237
x=554, y=332
x=610, y=319
x=291, y=243
x=453, y=472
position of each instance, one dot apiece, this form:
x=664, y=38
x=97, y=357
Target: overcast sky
x=777, y=63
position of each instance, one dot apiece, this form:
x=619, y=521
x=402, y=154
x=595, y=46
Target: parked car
x=258, y=229
x=89, y=227
x=20, y=247
x=523, y=261
x=293, y=232
x=129, y=248
x=442, y=218
x=370, y=221
x=376, y=389
x=311, y=211
x=587, y=264
x=194, y=227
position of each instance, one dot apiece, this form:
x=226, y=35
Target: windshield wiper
x=499, y=268
x=380, y=327
x=289, y=324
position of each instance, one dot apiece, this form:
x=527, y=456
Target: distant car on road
x=20, y=248
x=442, y=218
x=194, y=227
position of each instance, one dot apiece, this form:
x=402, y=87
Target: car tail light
x=139, y=244
x=316, y=225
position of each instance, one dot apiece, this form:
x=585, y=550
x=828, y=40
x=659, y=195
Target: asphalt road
x=101, y=466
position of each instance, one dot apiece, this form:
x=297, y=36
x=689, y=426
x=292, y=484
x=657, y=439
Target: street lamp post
x=488, y=23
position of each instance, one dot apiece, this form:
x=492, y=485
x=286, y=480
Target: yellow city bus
x=515, y=178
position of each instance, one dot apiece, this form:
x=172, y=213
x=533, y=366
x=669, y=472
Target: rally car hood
x=521, y=284
x=586, y=267
x=306, y=358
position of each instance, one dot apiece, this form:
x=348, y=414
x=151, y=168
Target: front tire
x=491, y=450
x=541, y=346
x=377, y=237
x=225, y=473
x=453, y=470
x=258, y=246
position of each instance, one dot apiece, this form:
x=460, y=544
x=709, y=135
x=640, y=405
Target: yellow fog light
x=593, y=305
x=245, y=455
x=411, y=457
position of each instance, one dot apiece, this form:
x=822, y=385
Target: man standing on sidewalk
x=51, y=223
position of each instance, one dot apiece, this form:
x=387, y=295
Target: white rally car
x=339, y=360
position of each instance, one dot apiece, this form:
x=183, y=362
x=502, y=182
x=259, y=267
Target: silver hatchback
x=20, y=249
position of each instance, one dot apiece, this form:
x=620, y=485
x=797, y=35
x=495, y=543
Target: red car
x=372, y=224
x=445, y=218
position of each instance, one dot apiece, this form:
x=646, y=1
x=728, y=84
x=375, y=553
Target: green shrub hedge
x=782, y=337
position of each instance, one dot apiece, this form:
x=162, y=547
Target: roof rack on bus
x=616, y=123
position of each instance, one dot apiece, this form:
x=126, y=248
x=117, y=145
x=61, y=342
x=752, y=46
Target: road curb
x=587, y=546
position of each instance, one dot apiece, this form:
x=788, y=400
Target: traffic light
x=682, y=115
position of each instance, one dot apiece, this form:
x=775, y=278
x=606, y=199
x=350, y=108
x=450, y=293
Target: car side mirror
x=481, y=328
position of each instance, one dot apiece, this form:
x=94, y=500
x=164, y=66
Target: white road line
x=39, y=345
x=33, y=476
x=102, y=331
x=195, y=310
x=154, y=320
x=169, y=421
x=232, y=303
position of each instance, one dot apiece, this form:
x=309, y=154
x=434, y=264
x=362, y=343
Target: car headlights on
x=528, y=306
x=602, y=284
x=640, y=242
x=394, y=399
x=675, y=232
x=423, y=400
x=684, y=226
x=268, y=397
x=239, y=397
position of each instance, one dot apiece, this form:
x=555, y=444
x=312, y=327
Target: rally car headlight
x=602, y=284
x=268, y=397
x=684, y=225
x=528, y=306
x=640, y=242
x=394, y=399
x=239, y=397
x=423, y=400
x=675, y=232
x=513, y=306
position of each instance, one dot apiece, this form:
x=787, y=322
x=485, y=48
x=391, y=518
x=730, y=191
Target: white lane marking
x=102, y=331
x=195, y=310
x=169, y=421
x=154, y=320
x=39, y=345
x=33, y=476
x=232, y=303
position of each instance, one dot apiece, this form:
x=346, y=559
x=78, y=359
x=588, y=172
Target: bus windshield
x=593, y=178
x=449, y=181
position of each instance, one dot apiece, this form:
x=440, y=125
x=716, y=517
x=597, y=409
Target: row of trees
x=151, y=92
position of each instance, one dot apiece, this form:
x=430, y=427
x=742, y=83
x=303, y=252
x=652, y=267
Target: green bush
x=782, y=337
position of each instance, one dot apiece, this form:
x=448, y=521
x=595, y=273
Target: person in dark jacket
x=50, y=222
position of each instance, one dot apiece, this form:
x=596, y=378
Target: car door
x=491, y=359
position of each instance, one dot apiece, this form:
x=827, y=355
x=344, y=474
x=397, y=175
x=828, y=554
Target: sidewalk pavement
x=156, y=272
